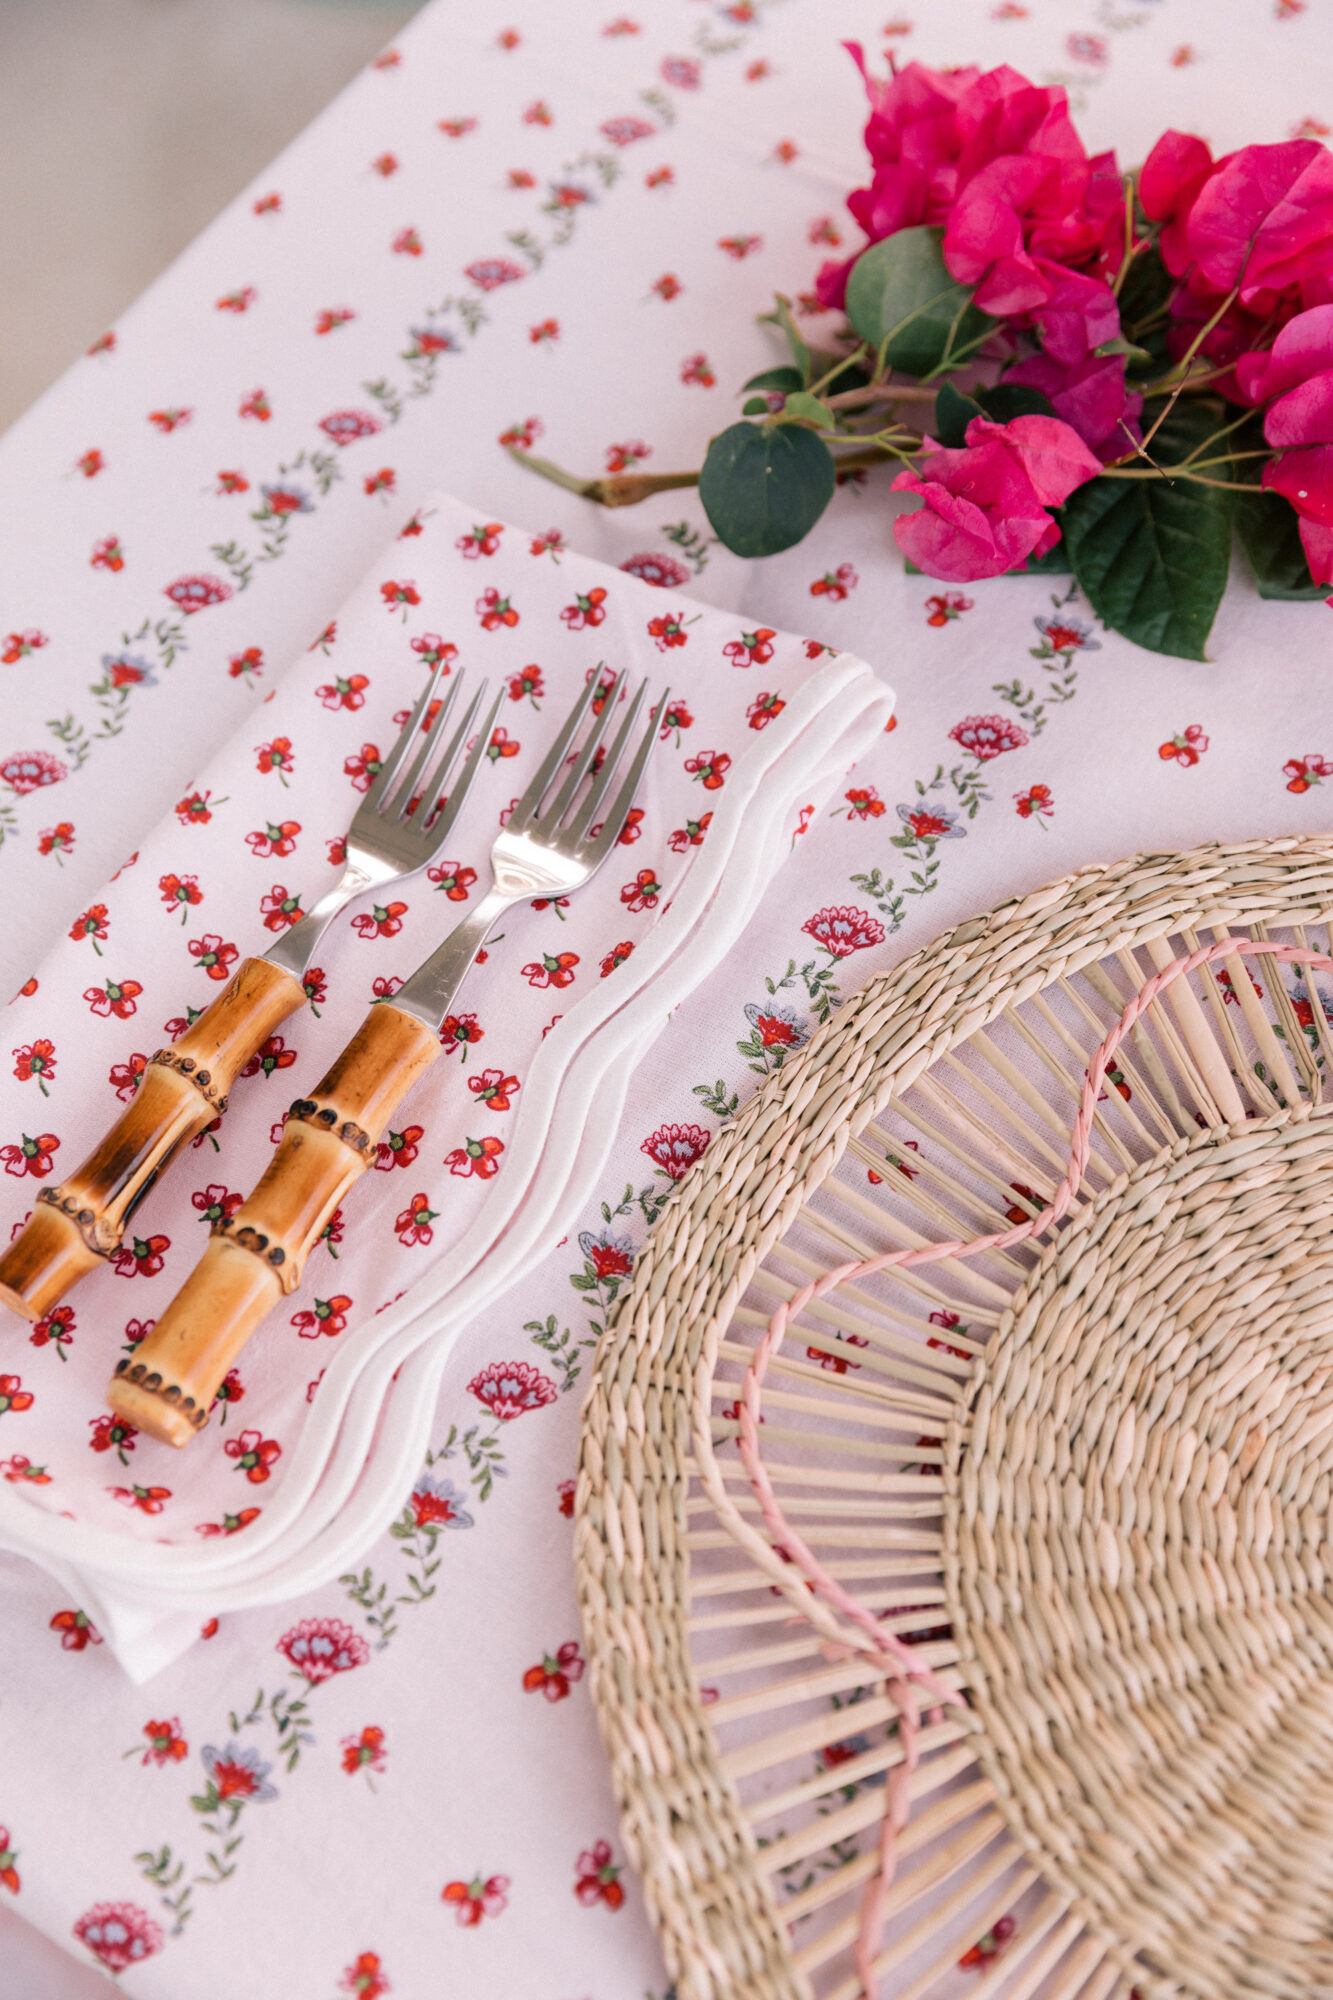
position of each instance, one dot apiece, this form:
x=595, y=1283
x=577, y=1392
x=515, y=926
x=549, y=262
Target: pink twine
x=904, y=1673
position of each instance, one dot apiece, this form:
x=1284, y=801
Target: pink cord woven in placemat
x=905, y=1676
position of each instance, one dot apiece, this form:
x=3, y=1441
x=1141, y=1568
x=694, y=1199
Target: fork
x=254, y=1257
x=78, y=1224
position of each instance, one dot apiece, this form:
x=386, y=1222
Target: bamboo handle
x=166, y=1387
x=78, y=1223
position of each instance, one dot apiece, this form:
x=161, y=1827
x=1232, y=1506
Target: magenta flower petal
x=1306, y=479
x=1169, y=179
x=1304, y=347
x=1264, y=220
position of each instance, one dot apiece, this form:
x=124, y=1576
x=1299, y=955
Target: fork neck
x=294, y=950
x=433, y=987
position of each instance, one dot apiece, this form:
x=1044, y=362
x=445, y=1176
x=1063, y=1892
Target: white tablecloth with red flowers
x=530, y=223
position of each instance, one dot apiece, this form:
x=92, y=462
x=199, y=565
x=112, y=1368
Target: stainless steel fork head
x=387, y=839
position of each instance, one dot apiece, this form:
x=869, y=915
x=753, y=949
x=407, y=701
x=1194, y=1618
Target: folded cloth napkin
x=321, y=1425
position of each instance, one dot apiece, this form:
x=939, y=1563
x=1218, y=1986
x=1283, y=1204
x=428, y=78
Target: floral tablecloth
x=523, y=224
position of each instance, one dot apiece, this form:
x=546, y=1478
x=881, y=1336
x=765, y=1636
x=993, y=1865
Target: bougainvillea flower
x=1264, y=220
x=1302, y=351
x=985, y=506
x=1169, y=179
x=1090, y=397
x=1080, y=313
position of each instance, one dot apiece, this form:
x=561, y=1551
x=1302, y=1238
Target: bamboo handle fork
x=257, y=1256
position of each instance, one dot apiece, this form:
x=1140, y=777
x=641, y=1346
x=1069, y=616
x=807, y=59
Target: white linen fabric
x=651, y=179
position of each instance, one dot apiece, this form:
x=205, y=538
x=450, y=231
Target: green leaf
x=1151, y=555
x=811, y=409
x=763, y=488
x=900, y=297
x=1013, y=399
x=1143, y=309
x=797, y=344
x=755, y=406
x=1119, y=345
x=785, y=379
x=1055, y=562
x=1270, y=536
x=953, y=413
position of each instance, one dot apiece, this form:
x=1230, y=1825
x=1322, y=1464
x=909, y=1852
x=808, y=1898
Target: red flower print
x=1187, y=748
x=616, y=956
x=141, y=1257
x=381, y=920
x=689, y=835
x=364, y=1978
x=18, y=645
x=555, y=1673
x=230, y=1524
x=453, y=879
x=196, y=593
x=483, y=1896
x=90, y=464
x=255, y=1455
x=864, y=802
x=31, y=1156
x=365, y=1752
x=319, y=1648
x=668, y=631
x=434, y=1503
x=233, y=482
x=494, y=1088
x=565, y=1503
x=642, y=893
x=740, y=246
x=19, y=1467
x=946, y=605
x=407, y=243
x=330, y=318
x=166, y=1745
x=552, y=970
x=180, y=892
x=510, y=1388
x=502, y=744
x=1035, y=803
x=480, y=540
x=413, y=1223
x=272, y=1055
x=346, y=426
x=527, y=686
x=383, y=481
x=135, y=1331
x=663, y=572
x=841, y=930
x=274, y=839
x=231, y=1389
x=987, y=736
x=238, y=302
x=675, y=1148
x=107, y=554
x=585, y=611
x=479, y=1157
x=116, y=997
x=1303, y=772
x=9, y=1874
x=256, y=405
x=211, y=953
x=524, y=435
x=597, y=1879
x=752, y=649
x=633, y=828
x=275, y=756
x=489, y=273
x=711, y=767
x=57, y=839
x=538, y=112
x=775, y=1027
x=433, y=649
x=195, y=809
x=26, y=991
x=697, y=368
x=251, y=661
x=835, y=584
x=519, y=177
x=329, y=1316
x=988, y=1948
x=457, y=128
x=837, y=1364
x=547, y=330
x=91, y=924
x=111, y=1434
x=620, y=457
x=118, y=1934
x=28, y=770
x=925, y=822
x=349, y=693
x=399, y=1149
x=13, y=1395
x=279, y=910
x=148, y=1499
x=362, y=769
x=55, y=1329
x=125, y=1077
x=36, y=1059
x=76, y=1631
x=675, y=717
x=495, y=611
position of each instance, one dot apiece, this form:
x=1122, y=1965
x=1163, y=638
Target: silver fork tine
x=565, y=796
x=592, y=850
x=448, y=813
x=586, y=811
x=393, y=763
x=553, y=760
x=396, y=799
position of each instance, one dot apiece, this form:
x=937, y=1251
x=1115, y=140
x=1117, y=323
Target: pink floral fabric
x=554, y=226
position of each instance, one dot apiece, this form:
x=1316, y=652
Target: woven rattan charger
x=1089, y=1478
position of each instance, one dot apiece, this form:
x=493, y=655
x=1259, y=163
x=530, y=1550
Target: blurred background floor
x=125, y=125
